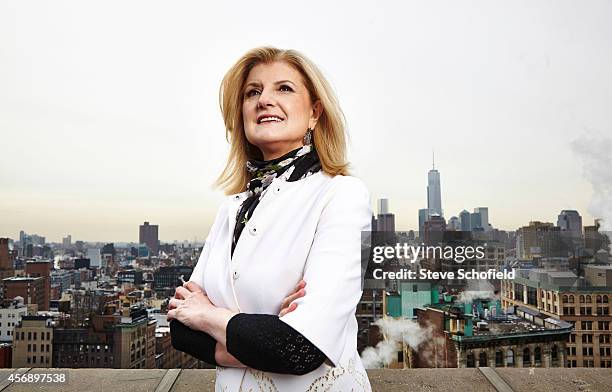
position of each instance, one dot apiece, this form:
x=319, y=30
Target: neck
x=273, y=152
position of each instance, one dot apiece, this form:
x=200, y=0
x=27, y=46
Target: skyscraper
x=385, y=221
x=423, y=217
x=93, y=254
x=149, y=234
x=434, y=195
x=484, y=217
x=466, y=220
x=570, y=220
x=476, y=221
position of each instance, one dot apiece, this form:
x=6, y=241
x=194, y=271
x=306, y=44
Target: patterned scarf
x=297, y=164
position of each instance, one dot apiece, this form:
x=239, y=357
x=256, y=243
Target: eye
x=252, y=92
x=285, y=87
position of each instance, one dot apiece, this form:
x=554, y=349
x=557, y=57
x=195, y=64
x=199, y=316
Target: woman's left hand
x=190, y=307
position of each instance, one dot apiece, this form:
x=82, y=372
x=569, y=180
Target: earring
x=308, y=137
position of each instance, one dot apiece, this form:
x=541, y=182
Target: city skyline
x=106, y=128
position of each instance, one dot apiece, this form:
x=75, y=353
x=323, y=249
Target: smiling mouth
x=269, y=119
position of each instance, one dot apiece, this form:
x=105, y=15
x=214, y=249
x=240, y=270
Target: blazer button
x=276, y=190
x=253, y=230
x=236, y=275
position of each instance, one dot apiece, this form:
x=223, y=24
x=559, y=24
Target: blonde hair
x=329, y=135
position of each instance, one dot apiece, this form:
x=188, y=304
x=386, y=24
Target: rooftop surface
x=512, y=325
x=382, y=380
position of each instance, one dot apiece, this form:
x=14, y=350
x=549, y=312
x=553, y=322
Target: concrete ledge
x=382, y=380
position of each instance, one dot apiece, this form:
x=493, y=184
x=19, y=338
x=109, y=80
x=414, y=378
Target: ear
x=317, y=109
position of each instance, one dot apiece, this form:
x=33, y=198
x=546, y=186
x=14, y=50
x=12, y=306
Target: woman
x=293, y=213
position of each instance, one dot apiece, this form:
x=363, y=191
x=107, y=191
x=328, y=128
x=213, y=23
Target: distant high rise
x=484, y=217
x=434, y=230
x=434, y=193
x=570, y=220
x=149, y=234
x=476, y=221
x=93, y=254
x=423, y=217
x=42, y=269
x=67, y=242
x=466, y=220
x=383, y=206
x=385, y=221
x=453, y=224
x=4, y=254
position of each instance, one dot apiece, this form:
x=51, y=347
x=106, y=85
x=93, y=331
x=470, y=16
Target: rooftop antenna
x=433, y=160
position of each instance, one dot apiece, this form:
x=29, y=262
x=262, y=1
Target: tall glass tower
x=434, y=196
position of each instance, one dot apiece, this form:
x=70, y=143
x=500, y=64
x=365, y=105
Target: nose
x=266, y=99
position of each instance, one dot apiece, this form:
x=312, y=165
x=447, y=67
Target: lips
x=269, y=118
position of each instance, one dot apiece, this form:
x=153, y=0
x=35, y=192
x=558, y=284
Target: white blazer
x=309, y=228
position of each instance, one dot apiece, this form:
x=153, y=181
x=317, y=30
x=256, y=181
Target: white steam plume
x=481, y=289
x=595, y=152
x=396, y=331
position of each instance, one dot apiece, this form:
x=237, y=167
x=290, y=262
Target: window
x=598, y=299
x=29, y=347
x=587, y=351
x=537, y=354
x=499, y=358
x=586, y=325
x=602, y=310
x=587, y=338
x=604, y=339
x=603, y=325
x=582, y=299
x=526, y=357
x=482, y=359
x=571, y=299
x=588, y=299
x=604, y=351
x=470, y=362
x=510, y=358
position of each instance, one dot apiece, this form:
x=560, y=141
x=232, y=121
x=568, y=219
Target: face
x=277, y=109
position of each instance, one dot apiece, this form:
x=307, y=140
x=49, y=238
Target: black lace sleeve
x=264, y=342
x=195, y=343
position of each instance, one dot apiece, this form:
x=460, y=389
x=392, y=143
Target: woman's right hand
x=288, y=305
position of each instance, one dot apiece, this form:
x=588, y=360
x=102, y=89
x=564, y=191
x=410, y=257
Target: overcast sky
x=109, y=113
